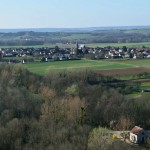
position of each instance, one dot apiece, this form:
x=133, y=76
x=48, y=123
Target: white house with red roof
x=138, y=135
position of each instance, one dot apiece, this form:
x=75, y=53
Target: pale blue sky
x=73, y=13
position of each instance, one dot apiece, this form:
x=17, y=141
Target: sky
x=73, y=13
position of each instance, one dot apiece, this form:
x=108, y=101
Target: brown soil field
x=124, y=72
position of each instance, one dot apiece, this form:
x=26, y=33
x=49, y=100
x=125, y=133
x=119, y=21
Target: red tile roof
x=136, y=130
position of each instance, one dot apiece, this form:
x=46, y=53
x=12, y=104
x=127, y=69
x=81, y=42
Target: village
x=79, y=51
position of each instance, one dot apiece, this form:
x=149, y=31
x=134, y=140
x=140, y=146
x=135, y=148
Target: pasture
x=129, y=45
x=45, y=67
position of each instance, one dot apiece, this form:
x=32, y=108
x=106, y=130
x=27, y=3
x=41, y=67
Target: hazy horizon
x=117, y=26
x=75, y=30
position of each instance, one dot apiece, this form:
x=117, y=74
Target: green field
x=43, y=68
x=146, y=85
x=135, y=45
x=41, y=46
x=34, y=46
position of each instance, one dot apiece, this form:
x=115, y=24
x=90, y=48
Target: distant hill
x=44, y=36
x=75, y=30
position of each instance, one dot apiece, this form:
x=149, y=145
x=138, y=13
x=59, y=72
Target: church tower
x=77, y=45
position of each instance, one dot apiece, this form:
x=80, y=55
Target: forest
x=64, y=110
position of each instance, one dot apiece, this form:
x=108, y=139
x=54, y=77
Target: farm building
x=138, y=135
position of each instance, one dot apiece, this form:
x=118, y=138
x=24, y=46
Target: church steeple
x=77, y=45
x=77, y=48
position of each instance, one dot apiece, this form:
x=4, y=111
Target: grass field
x=136, y=45
x=146, y=86
x=42, y=68
x=34, y=46
x=41, y=46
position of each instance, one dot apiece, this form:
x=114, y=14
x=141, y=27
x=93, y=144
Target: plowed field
x=124, y=72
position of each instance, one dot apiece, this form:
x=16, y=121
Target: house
x=138, y=135
x=62, y=57
x=81, y=46
x=126, y=56
x=148, y=56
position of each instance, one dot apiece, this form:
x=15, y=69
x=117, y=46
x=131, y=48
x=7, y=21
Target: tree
x=124, y=48
x=56, y=49
x=99, y=139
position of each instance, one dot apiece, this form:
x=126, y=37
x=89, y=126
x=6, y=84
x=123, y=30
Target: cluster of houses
x=79, y=51
x=30, y=54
